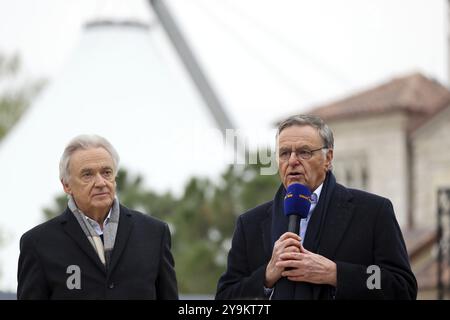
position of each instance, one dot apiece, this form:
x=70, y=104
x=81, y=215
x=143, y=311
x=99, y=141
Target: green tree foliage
x=15, y=94
x=15, y=97
x=202, y=219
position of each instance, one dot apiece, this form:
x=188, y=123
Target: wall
x=376, y=144
x=431, y=150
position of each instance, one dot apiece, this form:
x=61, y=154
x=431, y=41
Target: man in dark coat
x=350, y=246
x=97, y=248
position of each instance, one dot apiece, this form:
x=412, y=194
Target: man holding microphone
x=343, y=232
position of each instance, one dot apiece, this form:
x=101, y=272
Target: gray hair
x=84, y=142
x=313, y=121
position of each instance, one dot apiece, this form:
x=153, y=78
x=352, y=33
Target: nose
x=99, y=181
x=293, y=159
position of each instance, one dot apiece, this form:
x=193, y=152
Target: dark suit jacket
x=142, y=266
x=360, y=229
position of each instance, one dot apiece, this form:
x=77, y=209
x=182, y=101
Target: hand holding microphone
x=296, y=207
x=297, y=203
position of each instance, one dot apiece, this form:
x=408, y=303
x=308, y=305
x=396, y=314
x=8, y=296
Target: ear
x=329, y=159
x=66, y=187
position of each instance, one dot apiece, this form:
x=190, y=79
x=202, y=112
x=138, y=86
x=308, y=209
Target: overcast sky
x=265, y=58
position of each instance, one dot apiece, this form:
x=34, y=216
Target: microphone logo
x=302, y=196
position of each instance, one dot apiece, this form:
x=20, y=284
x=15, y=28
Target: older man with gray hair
x=97, y=248
x=347, y=238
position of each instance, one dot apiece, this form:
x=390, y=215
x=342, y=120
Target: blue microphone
x=296, y=205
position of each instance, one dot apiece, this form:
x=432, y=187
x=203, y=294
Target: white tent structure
x=123, y=82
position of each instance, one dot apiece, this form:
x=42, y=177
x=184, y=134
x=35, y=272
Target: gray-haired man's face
x=310, y=172
x=92, y=180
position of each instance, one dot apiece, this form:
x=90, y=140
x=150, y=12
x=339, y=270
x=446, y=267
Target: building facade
x=394, y=140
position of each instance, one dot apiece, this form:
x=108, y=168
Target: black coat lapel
x=338, y=219
x=123, y=233
x=319, y=215
x=339, y=211
x=266, y=226
x=279, y=220
x=73, y=229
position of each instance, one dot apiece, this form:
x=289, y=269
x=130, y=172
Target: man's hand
x=288, y=243
x=307, y=266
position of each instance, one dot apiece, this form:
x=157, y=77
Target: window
x=352, y=170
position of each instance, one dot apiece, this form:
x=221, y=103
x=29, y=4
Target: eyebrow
x=101, y=168
x=299, y=148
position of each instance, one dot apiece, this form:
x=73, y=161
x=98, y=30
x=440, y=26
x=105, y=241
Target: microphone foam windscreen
x=297, y=200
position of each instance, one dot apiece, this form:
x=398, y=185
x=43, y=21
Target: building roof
x=414, y=93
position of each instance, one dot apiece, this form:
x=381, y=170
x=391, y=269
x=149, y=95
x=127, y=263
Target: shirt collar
x=96, y=225
x=317, y=192
x=314, y=199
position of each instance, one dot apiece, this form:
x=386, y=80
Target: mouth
x=100, y=194
x=294, y=175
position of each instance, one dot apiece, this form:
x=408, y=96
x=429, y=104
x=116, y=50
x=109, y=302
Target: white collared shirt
x=304, y=222
x=96, y=225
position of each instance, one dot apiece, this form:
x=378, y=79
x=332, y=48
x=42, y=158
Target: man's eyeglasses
x=305, y=154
